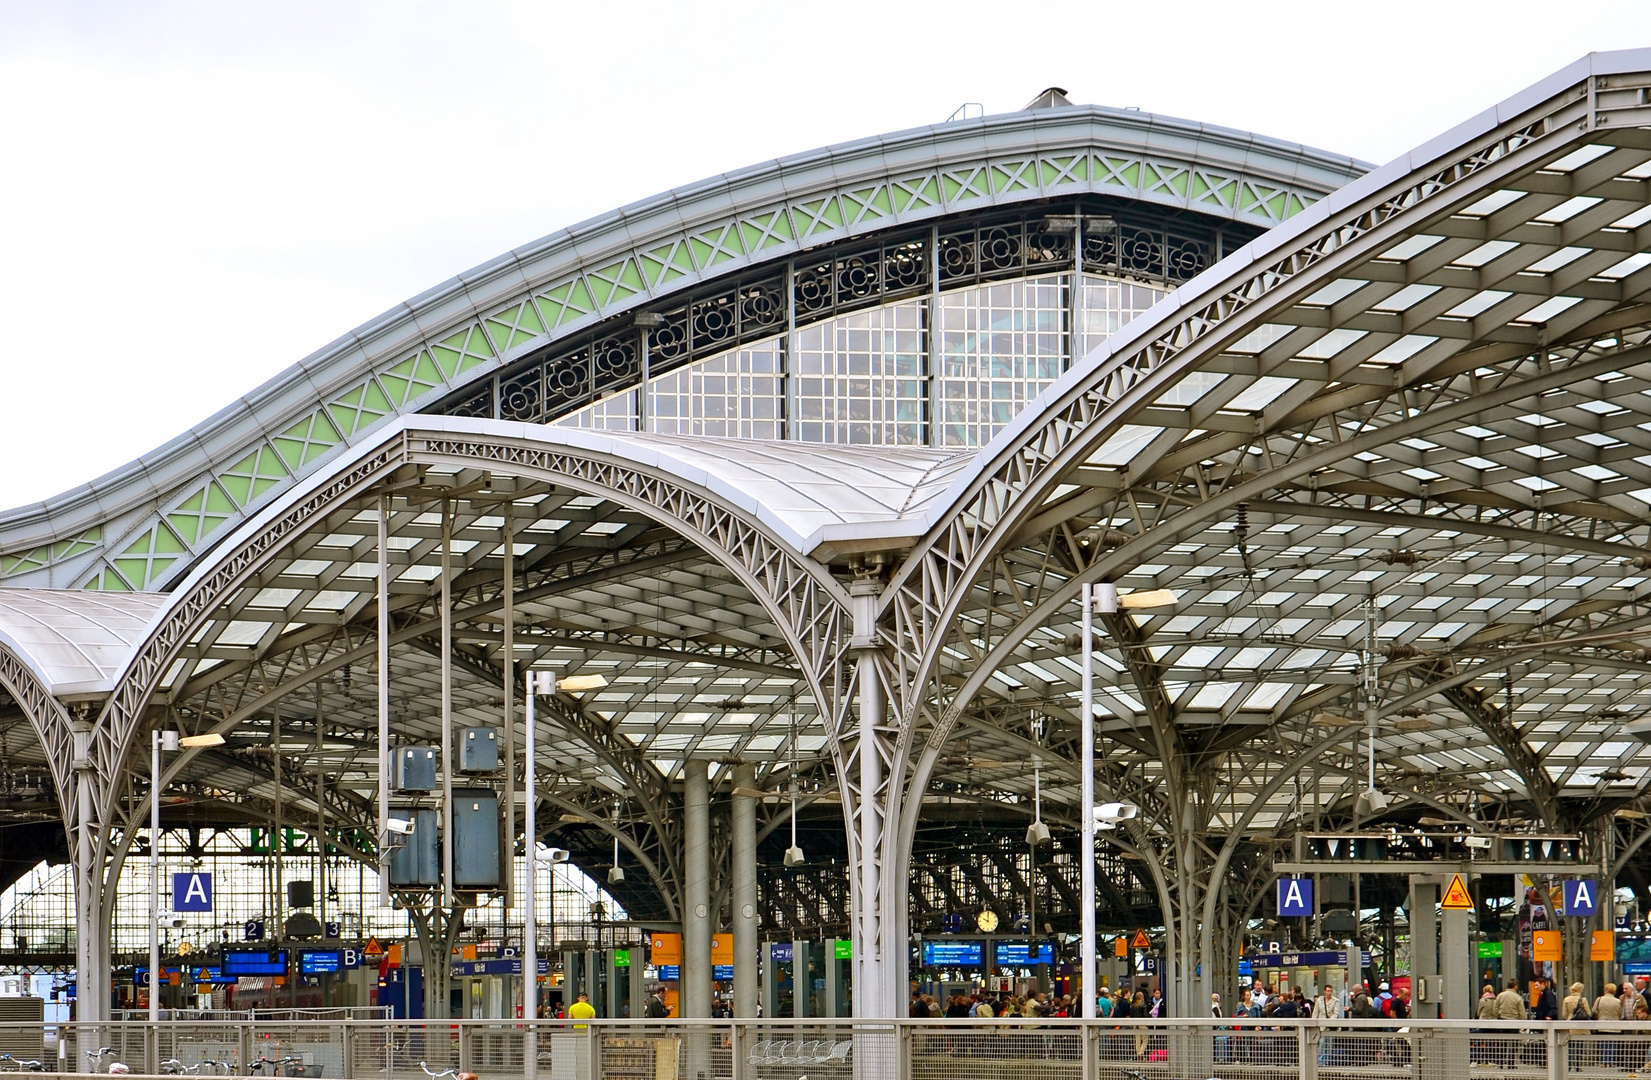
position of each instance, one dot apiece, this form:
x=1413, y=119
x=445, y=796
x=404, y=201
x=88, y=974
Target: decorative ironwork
x=850, y=276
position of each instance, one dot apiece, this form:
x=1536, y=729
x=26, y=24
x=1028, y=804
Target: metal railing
x=1004, y=1049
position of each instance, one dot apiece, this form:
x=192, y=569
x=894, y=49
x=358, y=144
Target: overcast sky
x=196, y=195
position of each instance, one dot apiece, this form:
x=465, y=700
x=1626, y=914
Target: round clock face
x=987, y=921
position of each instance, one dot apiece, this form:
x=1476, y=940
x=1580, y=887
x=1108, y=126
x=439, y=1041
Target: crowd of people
x=984, y=1005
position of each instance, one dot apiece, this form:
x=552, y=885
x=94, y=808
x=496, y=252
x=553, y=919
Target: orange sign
x=1546, y=945
x=1141, y=940
x=1120, y=946
x=722, y=949
x=1457, y=897
x=394, y=955
x=665, y=949
x=1603, y=945
x=372, y=948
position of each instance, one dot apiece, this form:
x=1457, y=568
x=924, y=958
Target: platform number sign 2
x=1295, y=897
x=191, y=892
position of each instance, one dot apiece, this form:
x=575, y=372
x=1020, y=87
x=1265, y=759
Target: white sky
x=196, y=195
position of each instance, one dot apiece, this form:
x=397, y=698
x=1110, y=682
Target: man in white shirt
x=1258, y=997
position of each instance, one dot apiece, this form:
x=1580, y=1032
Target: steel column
x=743, y=871
x=383, y=698
x=696, y=890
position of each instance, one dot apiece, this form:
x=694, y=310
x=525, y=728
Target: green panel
x=253, y=475
x=823, y=216
x=1178, y=182
x=30, y=560
x=716, y=246
x=962, y=187
x=1294, y=205
x=149, y=556
x=566, y=303
x=873, y=202
x=86, y=541
x=614, y=283
x=307, y=440
x=200, y=515
x=1009, y=179
x=107, y=580
x=1132, y=174
x=1247, y=197
x=765, y=231
x=360, y=408
x=514, y=326
x=411, y=379
x=667, y=263
x=1200, y=187
x=458, y=353
x=916, y=191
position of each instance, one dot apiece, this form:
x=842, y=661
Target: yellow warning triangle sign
x=373, y=948
x=1456, y=896
x=1141, y=940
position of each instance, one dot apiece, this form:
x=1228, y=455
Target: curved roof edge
x=467, y=328
x=803, y=493
x=1219, y=278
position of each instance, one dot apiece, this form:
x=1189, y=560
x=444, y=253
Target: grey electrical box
x=415, y=767
x=479, y=750
x=475, y=839
x=416, y=863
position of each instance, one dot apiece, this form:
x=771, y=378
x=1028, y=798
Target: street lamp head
x=211, y=738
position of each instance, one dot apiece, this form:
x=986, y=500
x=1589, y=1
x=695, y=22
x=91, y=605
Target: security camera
x=1117, y=811
x=793, y=856
x=1480, y=843
x=616, y=875
x=399, y=826
x=1037, y=833
x=553, y=855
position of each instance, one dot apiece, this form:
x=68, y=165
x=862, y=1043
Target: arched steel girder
x=651, y=255
x=927, y=591
x=666, y=878
x=802, y=600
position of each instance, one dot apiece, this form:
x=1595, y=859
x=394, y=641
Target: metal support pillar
x=508, y=662
x=877, y=968
x=801, y=983
x=743, y=872
x=1424, y=948
x=92, y=1001
x=695, y=986
x=1455, y=967
x=383, y=699
x=446, y=705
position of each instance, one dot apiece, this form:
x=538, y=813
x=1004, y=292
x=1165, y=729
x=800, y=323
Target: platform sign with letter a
x=1581, y=897
x=192, y=892
x=1295, y=897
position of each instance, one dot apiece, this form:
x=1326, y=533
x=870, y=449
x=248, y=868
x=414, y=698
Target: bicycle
x=24, y=1064
x=445, y=1074
x=96, y=1058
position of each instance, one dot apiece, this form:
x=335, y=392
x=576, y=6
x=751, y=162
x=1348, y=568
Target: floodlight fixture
x=1147, y=598
x=793, y=856
x=1371, y=801
x=1037, y=833
x=211, y=738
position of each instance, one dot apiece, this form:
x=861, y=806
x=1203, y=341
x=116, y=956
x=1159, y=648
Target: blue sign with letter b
x=192, y=892
x=1295, y=896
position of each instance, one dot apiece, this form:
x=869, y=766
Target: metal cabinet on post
x=416, y=863
x=475, y=839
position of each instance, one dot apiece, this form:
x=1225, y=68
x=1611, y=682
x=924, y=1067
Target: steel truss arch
x=958, y=584
x=567, y=284
x=929, y=589
x=802, y=599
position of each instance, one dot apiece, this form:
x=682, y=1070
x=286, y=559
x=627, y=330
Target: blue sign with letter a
x=1295, y=896
x=192, y=892
x=1581, y=897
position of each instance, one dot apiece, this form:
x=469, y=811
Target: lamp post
x=1101, y=597
x=161, y=740
x=539, y=681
